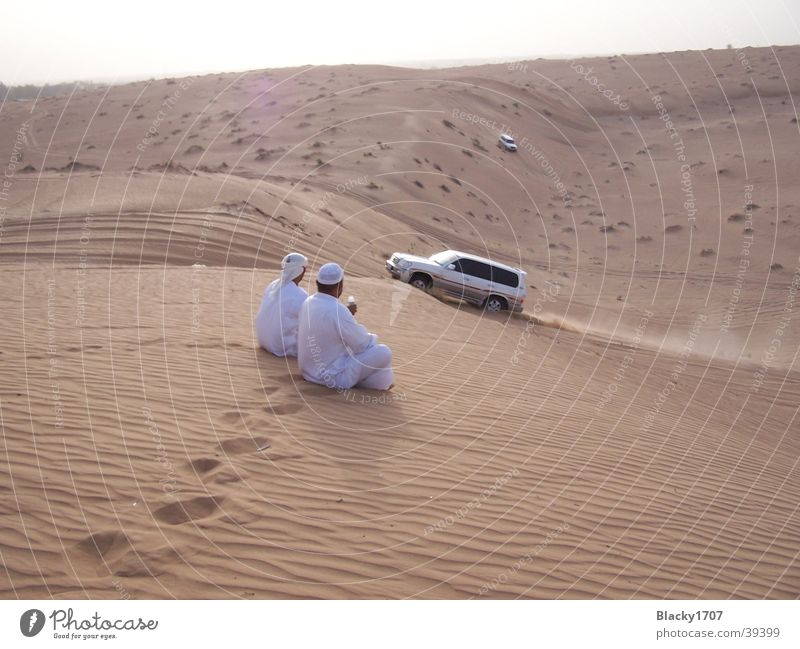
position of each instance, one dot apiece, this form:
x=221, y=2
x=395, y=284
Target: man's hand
x=352, y=308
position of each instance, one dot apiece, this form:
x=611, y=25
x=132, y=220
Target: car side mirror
x=451, y=266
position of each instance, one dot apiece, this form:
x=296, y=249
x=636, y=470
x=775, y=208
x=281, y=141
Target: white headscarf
x=292, y=266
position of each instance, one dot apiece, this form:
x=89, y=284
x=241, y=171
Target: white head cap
x=330, y=274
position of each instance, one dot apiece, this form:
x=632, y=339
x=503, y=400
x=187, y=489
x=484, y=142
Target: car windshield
x=443, y=258
x=508, y=138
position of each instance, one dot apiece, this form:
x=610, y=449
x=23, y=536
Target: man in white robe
x=332, y=348
x=277, y=318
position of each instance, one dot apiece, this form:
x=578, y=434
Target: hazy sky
x=58, y=40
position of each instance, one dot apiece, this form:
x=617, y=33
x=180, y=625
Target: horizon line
x=414, y=64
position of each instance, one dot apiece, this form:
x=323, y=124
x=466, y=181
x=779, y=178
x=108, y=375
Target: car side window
x=476, y=269
x=506, y=277
x=457, y=264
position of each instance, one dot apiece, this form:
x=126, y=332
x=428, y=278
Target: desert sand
x=633, y=434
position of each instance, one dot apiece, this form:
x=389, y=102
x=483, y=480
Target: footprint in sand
x=228, y=476
x=147, y=343
x=105, y=545
x=150, y=563
x=204, y=465
x=237, y=416
x=284, y=408
x=242, y=445
x=187, y=510
x=233, y=417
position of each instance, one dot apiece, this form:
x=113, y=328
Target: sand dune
x=632, y=434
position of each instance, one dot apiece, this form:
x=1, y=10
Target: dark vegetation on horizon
x=31, y=91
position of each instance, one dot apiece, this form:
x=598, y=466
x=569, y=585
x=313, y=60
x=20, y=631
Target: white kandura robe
x=277, y=318
x=328, y=340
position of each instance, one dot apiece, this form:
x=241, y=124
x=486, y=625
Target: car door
x=505, y=283
x=477, y=280
x=451, y=279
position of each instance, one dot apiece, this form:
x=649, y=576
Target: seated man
x=276, y=321
x=332, y=348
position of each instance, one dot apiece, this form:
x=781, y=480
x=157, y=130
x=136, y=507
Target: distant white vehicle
x=483, y=282
x=507, y=142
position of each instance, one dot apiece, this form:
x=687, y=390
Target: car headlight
x=403, y=264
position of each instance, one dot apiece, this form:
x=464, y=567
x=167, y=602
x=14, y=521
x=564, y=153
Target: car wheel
x=422, y=282
x=495, y=303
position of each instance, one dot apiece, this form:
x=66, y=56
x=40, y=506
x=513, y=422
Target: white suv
x=486, y=283
x=507, y=142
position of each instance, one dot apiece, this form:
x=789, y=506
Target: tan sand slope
x=643, y=443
